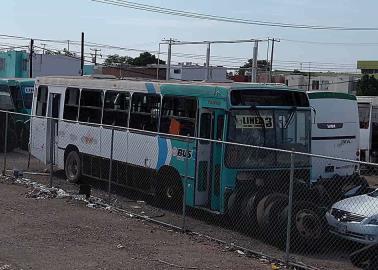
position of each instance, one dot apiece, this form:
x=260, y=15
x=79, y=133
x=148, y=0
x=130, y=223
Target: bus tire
x=233, y=209
x=307, y=225
x=169, y=190
x=72, y=166
x=262, y=205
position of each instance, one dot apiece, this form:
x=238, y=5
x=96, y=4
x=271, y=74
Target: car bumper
x=354, y=231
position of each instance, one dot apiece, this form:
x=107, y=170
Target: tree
x=115, y=59
x=261, y=64
x=367, y=86
x=145, y=59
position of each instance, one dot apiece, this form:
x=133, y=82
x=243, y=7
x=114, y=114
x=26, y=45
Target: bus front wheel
x=72, y=167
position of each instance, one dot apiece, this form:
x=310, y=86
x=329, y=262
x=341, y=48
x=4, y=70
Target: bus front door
x=208, y=167
x=52, y=127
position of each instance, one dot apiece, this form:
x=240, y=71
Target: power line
x=332, y=43
x=203, y=16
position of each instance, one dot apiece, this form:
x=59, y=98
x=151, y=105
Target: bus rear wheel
x=170, y=193
x=72, y=167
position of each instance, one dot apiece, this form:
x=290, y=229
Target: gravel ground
x=334, y=256
x=65, y=234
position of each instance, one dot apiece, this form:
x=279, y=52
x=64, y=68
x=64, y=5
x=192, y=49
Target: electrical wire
x=203, y=16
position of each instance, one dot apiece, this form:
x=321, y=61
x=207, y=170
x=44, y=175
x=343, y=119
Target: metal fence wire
x=297, y=208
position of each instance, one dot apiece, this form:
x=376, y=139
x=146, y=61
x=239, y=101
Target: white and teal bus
x=154, y=123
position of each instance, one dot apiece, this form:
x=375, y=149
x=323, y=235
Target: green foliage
x=261, y=64
x=367, y=86
x=143, y=59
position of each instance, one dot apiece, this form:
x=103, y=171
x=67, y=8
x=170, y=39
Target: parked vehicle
x=248, y=184
x=21, y=91
x=368, y=114
x=335, y=133
x=6, y=105
x=356, y=218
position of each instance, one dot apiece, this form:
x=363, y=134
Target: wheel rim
x=308, y=224
x=72, y=168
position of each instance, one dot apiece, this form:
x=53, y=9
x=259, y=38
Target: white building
x=194, y=72
x=332, y=83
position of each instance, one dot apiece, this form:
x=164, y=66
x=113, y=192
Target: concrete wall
x=50, y=65
x=198, y=73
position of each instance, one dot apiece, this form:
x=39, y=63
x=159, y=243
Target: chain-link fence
x=280, y=205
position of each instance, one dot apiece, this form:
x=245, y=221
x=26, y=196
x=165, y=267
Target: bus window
x=178, y=116
x=15, y=92
x=364, y=114
x=116, y=108
x=71, y=104
x=205, y=127
x=41, y=101
x=145, y=110
x=220, y=125
x=90, y=106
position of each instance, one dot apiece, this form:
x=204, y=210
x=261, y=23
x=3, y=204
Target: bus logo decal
x=88, y=139
x=181, y=154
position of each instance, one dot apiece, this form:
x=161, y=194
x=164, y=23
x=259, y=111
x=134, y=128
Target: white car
x=356, y=218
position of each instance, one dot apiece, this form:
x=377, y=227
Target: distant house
x=14, y=64
x=323, y=82
x=368, y=67
x=194, y=72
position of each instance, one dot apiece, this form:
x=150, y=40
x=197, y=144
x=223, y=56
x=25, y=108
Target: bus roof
x=12, y=81
x=191, y=88
x=330, y=95
x=368, y=99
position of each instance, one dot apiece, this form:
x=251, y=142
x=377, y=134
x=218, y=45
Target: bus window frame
x=128, y=108
x=159, y=112
x=195, y=119
x=101, y=109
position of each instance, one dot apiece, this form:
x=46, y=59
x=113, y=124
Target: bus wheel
x=233, y=209
x=170, y=192
x=306, y=225
x=72, y=167
x=263, y=204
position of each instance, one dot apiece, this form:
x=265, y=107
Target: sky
x=124, y=27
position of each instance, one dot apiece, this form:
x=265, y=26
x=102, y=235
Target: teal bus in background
x=21, y=91
x=210, y=141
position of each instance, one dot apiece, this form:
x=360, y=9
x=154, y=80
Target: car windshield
x=374, y=194
x=287, y=129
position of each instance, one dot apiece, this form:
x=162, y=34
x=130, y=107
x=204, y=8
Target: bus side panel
x=38, y=138
x=179, y=150
x=143, y=150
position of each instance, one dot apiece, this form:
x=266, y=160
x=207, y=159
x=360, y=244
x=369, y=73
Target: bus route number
x=251, y=121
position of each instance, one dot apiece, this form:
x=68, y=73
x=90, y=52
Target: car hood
x=364, y=205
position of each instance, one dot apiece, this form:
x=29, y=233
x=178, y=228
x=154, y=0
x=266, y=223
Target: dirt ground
x=65, y=234
x=334, y=255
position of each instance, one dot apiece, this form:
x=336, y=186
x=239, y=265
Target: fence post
x=111, y=163
x=290, y=208
x=184, y=185
x=5, y=142
x=52, y=150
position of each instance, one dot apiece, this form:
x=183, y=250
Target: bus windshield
x=364, y=114
x=5, y=99
x=274, y=128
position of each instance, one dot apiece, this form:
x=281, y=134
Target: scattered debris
x=119, y=246
x=240, y=252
